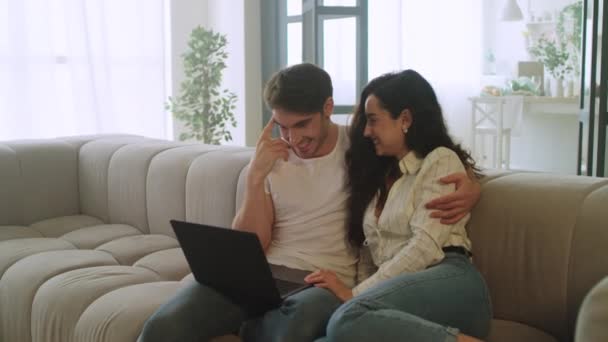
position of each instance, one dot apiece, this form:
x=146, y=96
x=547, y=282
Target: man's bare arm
x=453, y=207
x=257, y=213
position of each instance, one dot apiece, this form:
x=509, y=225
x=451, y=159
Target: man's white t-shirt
x=309, y=197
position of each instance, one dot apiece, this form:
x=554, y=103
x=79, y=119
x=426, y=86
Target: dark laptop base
x=233, y=263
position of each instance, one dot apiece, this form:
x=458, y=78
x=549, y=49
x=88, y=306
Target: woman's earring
x=404, y=130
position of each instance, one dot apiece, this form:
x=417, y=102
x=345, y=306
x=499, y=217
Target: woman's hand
x=328, y=280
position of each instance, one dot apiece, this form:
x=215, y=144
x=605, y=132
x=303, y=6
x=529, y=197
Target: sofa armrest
x=592, y=321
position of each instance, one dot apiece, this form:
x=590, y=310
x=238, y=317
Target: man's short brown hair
x=301, y=88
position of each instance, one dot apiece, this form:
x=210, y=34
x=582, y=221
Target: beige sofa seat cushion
x=53, y=228
x=95, y=236
x=60, y=301
x=507, y=331
x=17, y=232
x=22, y=280
x=169, y=264
x=12, y=251
x=58, y=226
x=128, y=250
x=119, y=315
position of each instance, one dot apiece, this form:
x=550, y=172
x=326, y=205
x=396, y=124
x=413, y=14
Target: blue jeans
x=199, y=313
x=431, y=305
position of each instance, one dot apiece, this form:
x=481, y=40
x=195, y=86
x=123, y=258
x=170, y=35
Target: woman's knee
x=342, y=324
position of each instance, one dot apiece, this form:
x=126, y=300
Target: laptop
x=233, y=263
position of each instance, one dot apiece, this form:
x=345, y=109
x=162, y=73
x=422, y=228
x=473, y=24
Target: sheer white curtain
x=71, y=67
x=441, y=39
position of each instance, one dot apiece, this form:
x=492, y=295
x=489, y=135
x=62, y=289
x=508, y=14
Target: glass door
x=593, y=117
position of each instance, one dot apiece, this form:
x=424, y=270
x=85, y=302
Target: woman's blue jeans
x=432, y=305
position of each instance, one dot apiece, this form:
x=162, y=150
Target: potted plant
x=203, y=109
x=555, y=57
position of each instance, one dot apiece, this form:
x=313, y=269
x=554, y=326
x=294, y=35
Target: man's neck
x=330, y=141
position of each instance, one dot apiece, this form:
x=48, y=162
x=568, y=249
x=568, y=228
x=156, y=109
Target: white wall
x=253, y=72
x=548, y=143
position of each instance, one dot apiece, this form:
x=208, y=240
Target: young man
x=295, y=201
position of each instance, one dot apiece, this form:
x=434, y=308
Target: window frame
x=275, y=41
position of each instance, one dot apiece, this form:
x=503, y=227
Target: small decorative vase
x=547, y=87
x=570, y=88
x=577, y=86
x=559, y=88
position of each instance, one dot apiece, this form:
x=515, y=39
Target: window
x=82, y=67
x=357, y=40
x=329, y=33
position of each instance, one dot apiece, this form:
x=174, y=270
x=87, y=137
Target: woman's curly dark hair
x=367, y=172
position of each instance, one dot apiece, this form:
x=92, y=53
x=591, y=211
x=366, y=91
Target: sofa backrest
x=119, y=179
x=539, y=241
x=145, y=182
x=38, y=181
x=194, y=183
x=94, y=173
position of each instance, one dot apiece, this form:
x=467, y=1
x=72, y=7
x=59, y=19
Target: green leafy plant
x=569, y=28
x=570, y=24
x=554, y=55
x=200, y=105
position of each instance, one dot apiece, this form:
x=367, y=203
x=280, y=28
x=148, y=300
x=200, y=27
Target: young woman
x=425, y=287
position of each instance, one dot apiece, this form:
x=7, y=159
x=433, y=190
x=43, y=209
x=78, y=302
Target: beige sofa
x=592, y=322
x=87, y=253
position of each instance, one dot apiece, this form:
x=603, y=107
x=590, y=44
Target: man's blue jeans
x=431, y=305
x=199, y=313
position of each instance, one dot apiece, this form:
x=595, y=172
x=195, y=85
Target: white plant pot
x=559, y=88
x=570, y=88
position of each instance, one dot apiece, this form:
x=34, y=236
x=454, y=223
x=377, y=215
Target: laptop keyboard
x=285, y=286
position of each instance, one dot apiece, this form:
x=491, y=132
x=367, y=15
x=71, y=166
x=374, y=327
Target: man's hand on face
x=453, y=207
x=267, y=151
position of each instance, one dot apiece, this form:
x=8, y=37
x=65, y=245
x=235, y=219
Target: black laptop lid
x=230, y=261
